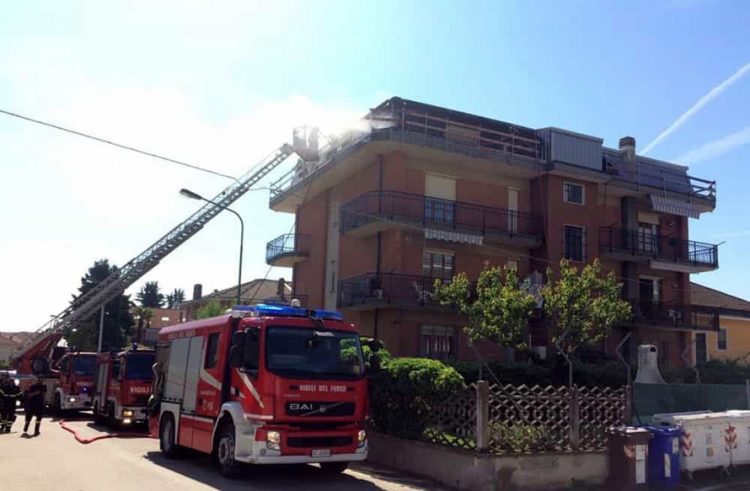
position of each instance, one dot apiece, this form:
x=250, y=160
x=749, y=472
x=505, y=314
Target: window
x=573, y=193
x=212, y=350
x=437, y=342
x=437, y=264
x=575, y=243
x=439, y=212
x=648, y=238
x=721, y=340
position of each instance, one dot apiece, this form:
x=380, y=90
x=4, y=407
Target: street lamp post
x=192, y=195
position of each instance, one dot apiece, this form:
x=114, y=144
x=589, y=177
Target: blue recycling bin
x=664, y=456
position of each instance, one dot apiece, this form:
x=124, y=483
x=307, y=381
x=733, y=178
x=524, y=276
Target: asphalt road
x=55, y=460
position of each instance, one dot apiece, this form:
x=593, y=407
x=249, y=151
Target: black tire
x=224, y=448
x=57, y=406
x=98, y=418
x=333, y=467
x=167, y=437
x=111, y=419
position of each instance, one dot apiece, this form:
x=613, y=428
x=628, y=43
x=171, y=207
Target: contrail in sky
x=711, y=95
x=716, y=148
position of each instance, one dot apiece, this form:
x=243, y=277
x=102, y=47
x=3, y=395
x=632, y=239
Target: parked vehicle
x=69, y=382
x=122, y=387
x=266, y=384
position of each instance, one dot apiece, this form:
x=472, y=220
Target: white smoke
x=716, y=148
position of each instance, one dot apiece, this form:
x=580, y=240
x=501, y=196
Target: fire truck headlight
x=127, y=421
x=127, y=413
x=273, y=440
x=71, y=399
x=361, y=438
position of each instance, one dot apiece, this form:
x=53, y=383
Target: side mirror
x=238, y=339
x=374, y=345
x=235, y=355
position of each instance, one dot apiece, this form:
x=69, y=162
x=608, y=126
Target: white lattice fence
x=599, y=408
x=524, y=418
x=453, y=420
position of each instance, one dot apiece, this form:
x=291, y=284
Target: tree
x=498, y=310
x=211, y=309
x=118, y=320
x=581, y=306
x=143, y=315
x=175, y=298
x=150, y=295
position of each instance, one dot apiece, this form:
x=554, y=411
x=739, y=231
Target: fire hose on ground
x=86, y=441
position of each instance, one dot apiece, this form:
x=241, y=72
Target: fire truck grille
x=318, y=441
x=319, y=409
x=140, y=400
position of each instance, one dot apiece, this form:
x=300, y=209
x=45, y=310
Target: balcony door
x=701, y=348
x=440, y=201
x=648, y=238
x=649, y=294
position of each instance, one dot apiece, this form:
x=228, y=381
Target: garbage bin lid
x=630, y=430
x=669, y=431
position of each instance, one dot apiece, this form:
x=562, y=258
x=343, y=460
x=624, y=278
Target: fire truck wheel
x=111, y=419
x=167, y=443
x=98, y=418
x=333, y=467
x=228, y=466
x=57, y=406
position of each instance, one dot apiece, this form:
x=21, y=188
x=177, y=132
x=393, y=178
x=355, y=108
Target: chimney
x=627, y=148
x=197, y=291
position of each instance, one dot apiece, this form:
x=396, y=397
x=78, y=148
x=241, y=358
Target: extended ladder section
x=117, y=282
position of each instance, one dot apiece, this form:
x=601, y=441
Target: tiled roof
x=708, y=297
x=255, y=291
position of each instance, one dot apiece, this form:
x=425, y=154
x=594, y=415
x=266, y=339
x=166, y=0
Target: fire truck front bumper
x=304, y=459
x=82, y=401
x=133, y=414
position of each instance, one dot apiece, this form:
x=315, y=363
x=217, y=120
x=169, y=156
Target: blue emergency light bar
x=269, y=310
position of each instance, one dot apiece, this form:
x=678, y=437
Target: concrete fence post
x=483, y=416
x=628, y=405
x=575, y=419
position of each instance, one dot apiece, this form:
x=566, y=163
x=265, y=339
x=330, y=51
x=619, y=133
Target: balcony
x=666, y=253
x=673, y=315
x=287, y=250
x=373, y=290
x=439, y=219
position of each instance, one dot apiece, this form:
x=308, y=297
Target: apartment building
x=428, y=192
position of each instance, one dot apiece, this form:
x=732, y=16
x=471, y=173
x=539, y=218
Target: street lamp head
x=188, y=193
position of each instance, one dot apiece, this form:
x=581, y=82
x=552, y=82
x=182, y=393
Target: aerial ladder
x=32, y=356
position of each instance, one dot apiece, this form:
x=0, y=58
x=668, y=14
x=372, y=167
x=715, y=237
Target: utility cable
x=118, y=145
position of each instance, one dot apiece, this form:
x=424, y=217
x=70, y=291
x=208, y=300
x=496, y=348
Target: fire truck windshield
x=313, y=353
x=138, y=367
x=84, y=365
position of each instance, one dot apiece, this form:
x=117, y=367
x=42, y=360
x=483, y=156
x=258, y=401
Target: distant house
x=159, y=318
x=732, y=340
x=9, y=342
x=253, y=292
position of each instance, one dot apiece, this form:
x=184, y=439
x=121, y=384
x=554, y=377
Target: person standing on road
x=34, y=406
x=9, y=392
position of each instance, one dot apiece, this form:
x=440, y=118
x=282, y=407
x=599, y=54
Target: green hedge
x=403, y=391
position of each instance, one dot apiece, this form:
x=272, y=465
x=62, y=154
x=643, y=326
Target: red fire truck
x=122, y=387
x=69, y=382
x=266, y=384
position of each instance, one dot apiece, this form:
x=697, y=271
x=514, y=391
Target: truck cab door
x=190, y=394
x=100, y=393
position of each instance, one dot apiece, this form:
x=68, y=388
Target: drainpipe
x=379, y=239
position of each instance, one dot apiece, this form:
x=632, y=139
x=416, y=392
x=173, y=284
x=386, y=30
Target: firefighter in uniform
x=9, y=393
x=34, y=405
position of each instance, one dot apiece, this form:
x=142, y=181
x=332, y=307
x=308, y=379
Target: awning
x=450, y=236
x=674, y=206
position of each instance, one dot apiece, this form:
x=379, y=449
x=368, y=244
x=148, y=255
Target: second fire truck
x=266, y=384
x=122, y=387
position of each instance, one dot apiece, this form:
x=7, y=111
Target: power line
x=118, y=145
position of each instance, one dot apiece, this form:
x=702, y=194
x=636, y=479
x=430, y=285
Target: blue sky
x=223, y=83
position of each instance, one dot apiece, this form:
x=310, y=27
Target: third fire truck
x=267, y=384
x=123, y=386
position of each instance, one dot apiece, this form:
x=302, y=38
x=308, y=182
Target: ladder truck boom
x=87, y=304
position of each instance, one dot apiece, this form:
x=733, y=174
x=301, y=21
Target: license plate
x=321, y=453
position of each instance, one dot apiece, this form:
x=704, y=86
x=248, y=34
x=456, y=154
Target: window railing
x=287, y=244
x=663, y=248
x=675, y=315
x=426, y=212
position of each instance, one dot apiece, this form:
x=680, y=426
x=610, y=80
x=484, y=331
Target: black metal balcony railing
x=427, y=212
x=373, y=289
x=287, y=245
x=675, y=315
x=665, y=179
x=638, y=243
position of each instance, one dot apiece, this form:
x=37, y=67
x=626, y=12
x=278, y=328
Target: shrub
x=519, y=438
x=404, y=390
